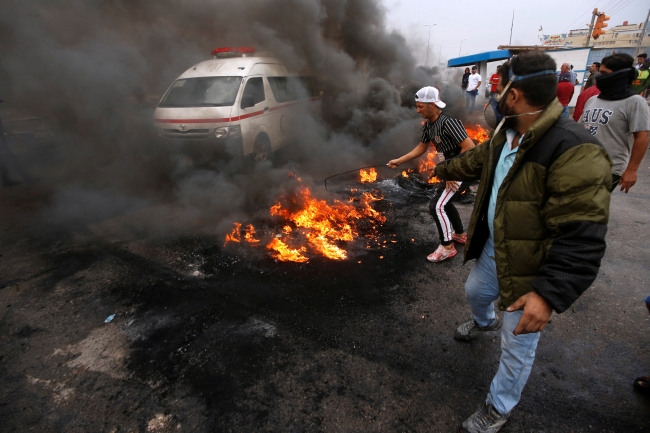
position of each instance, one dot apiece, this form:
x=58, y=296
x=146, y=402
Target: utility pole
x=511, y=26
x=591, y=26
x=643, y=30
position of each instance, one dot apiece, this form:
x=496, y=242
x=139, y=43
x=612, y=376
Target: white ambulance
x=242, y=102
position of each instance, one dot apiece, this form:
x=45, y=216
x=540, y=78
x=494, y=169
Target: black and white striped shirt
x=446, y=133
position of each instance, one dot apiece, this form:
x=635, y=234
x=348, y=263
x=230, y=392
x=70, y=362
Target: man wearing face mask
x=619, y=118
x=538, y=227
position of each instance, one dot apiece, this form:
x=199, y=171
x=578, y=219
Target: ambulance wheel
x=262, y=149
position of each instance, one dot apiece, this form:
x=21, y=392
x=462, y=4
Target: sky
x=484, y=25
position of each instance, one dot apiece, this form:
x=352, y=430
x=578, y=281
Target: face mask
x=494, y=116
x=616, y=85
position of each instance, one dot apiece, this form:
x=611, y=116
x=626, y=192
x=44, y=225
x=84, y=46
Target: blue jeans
x=470, y=100
x=517, y=352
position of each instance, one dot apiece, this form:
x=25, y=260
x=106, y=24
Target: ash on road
x=207, y=340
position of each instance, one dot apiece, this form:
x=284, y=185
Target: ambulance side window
x=282, y=89
x=287, y=89
x=255, y=88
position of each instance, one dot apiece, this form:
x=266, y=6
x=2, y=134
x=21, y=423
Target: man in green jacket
x=538, y=225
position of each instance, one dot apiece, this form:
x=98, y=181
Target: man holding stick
x=449, y=137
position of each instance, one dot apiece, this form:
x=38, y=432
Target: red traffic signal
x=601, y=22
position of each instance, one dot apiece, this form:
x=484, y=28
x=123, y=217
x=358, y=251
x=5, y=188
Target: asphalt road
x=205, y=339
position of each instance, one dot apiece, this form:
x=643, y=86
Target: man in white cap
x=448, y=136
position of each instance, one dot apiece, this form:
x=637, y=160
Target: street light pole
x=428, y=40
x=461, y=46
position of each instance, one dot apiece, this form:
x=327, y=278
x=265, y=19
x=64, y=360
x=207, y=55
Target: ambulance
x=241, y=102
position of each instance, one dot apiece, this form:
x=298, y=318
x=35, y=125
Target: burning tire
x=262, y=149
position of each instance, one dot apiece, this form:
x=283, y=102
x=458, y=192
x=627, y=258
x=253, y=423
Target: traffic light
x=601, y=22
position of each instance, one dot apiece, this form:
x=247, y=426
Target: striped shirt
x=446, y=133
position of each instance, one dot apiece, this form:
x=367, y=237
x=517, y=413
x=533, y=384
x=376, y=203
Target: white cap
x=429, y=94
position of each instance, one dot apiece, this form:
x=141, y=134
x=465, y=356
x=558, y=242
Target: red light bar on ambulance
x=232, y=51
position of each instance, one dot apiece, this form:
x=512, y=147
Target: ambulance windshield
x=202, y=92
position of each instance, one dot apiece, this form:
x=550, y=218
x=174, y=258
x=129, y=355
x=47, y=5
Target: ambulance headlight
x=227, y=131
x=221, y=132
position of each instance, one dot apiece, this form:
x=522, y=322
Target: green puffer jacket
x=551, y=212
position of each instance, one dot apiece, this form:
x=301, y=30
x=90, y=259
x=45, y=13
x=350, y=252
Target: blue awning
x=489, y=56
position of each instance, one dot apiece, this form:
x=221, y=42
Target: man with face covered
x=538, y=227
x=619, y=118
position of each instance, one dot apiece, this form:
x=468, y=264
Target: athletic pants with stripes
x=445, y=214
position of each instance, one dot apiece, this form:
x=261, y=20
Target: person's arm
x=478, y=85
x=417, y=151
x=629, y=176
x=466, y=144
x=467, y=166
x=576, y=213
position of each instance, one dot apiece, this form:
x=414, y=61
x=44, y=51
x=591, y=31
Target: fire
x=427, y=162
x=477, y=133
x=235, y=235
x=314, y=227
x=249, y=234
x=287, y=253
x=368, y=176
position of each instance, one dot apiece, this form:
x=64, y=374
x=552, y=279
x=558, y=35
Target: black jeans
x=615, y=179
x=445, y=214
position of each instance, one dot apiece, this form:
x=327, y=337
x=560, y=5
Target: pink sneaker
x=442, y=253
x=461, y=239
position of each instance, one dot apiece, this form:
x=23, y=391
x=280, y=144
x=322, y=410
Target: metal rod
x=350, y=171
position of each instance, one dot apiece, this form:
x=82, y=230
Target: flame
x=368, y=176
x=283, y=252
x=235, y=235
x=477, y=133
x=317, y=227
x=433, y=180
x=249, y=234
x=427, y=162
x=325, y=224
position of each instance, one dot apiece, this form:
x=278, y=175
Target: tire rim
x=261, y=151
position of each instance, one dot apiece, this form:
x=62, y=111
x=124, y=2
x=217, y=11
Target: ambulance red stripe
x=230, y=119
x=220, y=120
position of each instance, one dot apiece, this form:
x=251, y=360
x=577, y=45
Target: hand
x=628, y=179
x=537, y=313
x=452, y=186
x=393, y=163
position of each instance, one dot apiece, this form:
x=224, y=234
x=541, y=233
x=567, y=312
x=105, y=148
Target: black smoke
x=97, y=68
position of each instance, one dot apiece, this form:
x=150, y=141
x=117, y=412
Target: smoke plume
x=97, y=68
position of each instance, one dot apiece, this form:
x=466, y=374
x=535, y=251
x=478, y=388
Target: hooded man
x=538, y=225
x=619, y=118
